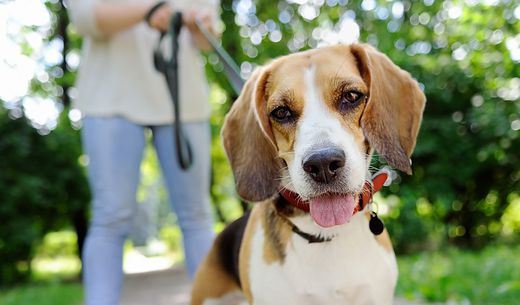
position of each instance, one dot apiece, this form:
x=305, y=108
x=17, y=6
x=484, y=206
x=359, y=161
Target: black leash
x=169, y=68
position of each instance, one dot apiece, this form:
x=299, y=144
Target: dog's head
x=310, y=121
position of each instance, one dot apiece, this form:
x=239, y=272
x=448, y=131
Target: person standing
x=120, y=95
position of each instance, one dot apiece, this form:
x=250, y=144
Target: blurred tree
x=43, y=187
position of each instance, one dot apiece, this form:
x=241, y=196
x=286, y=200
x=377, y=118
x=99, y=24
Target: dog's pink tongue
x=331, y=210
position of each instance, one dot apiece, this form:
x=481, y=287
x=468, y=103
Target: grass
x=488, y=277
x=43, y=294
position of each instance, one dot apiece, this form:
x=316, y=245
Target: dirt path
x=170, y=287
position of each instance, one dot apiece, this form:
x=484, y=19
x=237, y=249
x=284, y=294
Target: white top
x=117, y=76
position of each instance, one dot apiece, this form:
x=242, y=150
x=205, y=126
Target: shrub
x=43, y=188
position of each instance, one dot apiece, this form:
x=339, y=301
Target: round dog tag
x=375, y=224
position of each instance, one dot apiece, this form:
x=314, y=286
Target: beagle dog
x=300, y=139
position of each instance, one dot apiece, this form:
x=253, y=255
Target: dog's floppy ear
x=394, y=109
x=249, y=141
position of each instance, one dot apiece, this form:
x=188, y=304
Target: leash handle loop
x=184, y=152
x=152, y=11
x=169, y=67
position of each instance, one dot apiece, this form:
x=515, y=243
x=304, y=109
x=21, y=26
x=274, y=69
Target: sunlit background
x=454, y=222
x=27, y=52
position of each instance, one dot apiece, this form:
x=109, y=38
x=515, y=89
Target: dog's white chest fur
x=351, y=269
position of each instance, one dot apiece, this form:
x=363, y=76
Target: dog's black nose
x=324, y=164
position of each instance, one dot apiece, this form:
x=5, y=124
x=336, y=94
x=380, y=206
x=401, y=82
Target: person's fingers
x=160, y=20
x=204, y=15
x=165, y=17
x=188, y=17
x=206, y=18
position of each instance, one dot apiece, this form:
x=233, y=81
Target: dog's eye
x=351, y=99
x=282, y=114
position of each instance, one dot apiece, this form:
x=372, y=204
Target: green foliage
x=45, y=294
x=222, y=188
x=42, y=186
x=56, y=244
x=490, y=277
x=466, y=162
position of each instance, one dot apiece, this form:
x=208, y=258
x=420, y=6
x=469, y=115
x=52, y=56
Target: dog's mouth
x=330, y=210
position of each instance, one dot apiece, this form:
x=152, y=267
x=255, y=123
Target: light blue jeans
x=115, y=147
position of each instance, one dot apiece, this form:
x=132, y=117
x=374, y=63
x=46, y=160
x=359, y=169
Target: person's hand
x=204, y=16
x=160, y=19
x=188, y=18
x=206, y=20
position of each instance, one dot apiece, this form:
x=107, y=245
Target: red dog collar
x=379, y=179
